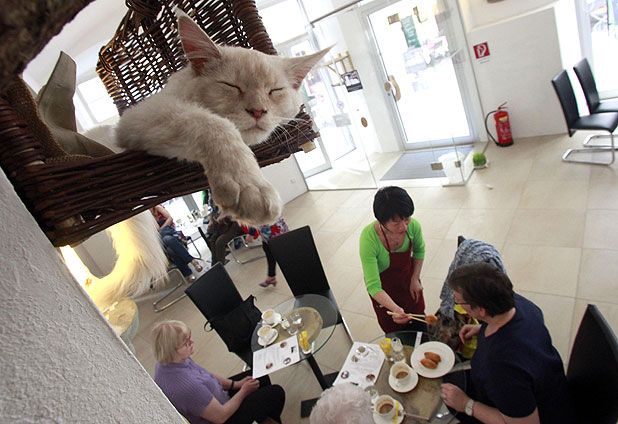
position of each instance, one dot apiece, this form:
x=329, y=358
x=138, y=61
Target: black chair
x=215, y=294
x=589, y=87
x=592, y=373
x=599, y=121
x=300, y=263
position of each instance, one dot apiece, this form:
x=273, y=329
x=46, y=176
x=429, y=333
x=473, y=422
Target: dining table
x=423, y=402
x=319, y=316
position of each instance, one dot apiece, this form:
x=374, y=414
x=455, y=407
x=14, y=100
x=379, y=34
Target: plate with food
x=432, y=359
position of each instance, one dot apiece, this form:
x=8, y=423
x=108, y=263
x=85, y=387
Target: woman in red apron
x=392, y=250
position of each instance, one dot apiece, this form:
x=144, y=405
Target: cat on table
x=226, y=100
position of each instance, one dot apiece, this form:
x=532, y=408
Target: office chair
x=600, y=121
x=298, y=258
x=592, y=373
x=589, y=87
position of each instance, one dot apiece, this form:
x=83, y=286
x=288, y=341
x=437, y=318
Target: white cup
x=265, y=331
x=401, y=373
x=385, y=407
x=268, y=316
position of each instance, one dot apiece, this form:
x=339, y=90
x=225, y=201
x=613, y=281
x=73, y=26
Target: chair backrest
x=298, y=258
x=565, y=93
x=586, y=79
x=593, y=370
x=214, y=293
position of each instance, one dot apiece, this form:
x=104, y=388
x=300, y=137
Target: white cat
x=227, y=99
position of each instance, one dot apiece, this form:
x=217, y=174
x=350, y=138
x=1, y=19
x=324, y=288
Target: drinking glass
x=373, y=392
x=397, y=347
x=296, y=319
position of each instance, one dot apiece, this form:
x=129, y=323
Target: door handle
x=390, y=85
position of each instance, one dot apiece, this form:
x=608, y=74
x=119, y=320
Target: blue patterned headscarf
x=470, y=251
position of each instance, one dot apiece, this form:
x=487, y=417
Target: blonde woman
x=202, y=397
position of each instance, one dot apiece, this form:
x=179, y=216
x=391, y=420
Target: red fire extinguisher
x=503, y=128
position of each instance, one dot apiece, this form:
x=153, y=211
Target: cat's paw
x=251, y=200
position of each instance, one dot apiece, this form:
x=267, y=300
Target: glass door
x=422, y=58
x=598, y=22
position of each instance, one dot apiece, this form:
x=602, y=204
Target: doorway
x=422, y=58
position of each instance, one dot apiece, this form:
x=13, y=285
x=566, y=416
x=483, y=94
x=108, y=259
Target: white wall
x=61, y=362
x=477, y=13
x=525, y=55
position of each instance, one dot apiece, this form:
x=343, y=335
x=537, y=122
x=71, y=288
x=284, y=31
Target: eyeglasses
x=186, y=343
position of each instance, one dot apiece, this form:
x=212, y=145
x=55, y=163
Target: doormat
x=413, y=165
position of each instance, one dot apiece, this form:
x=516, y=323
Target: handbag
x=236, y=326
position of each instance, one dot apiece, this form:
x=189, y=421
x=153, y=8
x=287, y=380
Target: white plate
x=379, y=420
x=276, y=322
x=404, y=389
x=268, y=340
x=444, y=366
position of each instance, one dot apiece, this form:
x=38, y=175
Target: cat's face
x=255, y=91
x=250, y=89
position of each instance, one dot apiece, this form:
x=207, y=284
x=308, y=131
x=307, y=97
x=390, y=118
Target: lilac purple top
x=190, y=388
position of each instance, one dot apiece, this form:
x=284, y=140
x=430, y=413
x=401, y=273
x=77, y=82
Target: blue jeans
x=176, y=251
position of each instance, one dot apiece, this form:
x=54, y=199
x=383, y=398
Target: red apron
x=396, y=283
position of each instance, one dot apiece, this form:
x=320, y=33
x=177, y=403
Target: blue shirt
x=517, y=369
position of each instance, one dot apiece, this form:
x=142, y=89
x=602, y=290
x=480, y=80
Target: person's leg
x=265, y=402
x=272, y=263
x=223, y=239
x=178, y=254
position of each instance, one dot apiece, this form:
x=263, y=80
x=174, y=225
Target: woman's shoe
x=191, y=278
x=197, y=265
x=268, y=282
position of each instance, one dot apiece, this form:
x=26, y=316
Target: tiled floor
x=555, y=223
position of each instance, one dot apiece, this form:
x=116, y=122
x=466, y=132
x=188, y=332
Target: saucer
x=404, y=389
x=268, y=340
x=397, y=420
x=276, y=322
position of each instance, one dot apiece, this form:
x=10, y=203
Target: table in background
x=328, y=312
x=425, y=398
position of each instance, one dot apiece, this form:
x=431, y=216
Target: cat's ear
x=197, y=45
x=298, y=67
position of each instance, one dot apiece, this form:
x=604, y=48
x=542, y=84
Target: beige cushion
x=55, y=102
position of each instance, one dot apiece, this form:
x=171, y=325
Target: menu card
x=362, y=366
x=275, y=357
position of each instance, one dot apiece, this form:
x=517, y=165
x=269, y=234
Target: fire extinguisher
x=503, y=128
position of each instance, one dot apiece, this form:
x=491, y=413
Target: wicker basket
x=73, y=197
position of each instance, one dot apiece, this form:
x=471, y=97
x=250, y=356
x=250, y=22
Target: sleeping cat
x=227, y=99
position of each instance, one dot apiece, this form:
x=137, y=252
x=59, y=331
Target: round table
x=424, y=399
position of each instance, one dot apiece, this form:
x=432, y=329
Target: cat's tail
x=141, y=261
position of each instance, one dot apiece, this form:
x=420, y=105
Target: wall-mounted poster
x=352, y=81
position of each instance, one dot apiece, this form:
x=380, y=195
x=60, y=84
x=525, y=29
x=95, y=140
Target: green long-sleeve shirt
x=375, y=258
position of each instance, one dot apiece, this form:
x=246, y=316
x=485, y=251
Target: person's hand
x=416, y=289
x=249, y=385
x=454, y=397
x=400, y=316
x=468, y=331
x=240, y=383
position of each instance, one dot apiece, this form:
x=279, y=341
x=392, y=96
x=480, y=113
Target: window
x=98, y=104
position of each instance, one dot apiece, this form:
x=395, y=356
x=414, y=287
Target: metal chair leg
x=230, y=245
x=610, y=148
x=195, y=247
x=588, y=140
x=155, y=304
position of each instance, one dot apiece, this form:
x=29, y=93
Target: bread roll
x=428, y=363
x=433, y=357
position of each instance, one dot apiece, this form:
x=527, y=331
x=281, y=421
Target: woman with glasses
x=203, y=397
x=392, y=250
